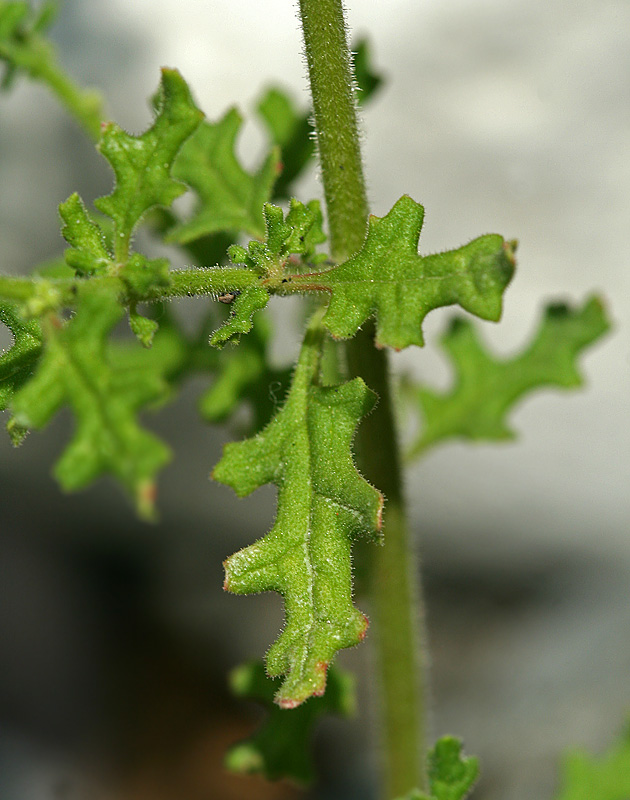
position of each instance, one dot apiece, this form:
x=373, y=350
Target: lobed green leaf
x=607, y=778
x=280, y=748
x=142, y=164
x=77, y=369
x=89, y=253
x=451, y=775
x=229, y=198
x=244, y=306
x=389, y=280
x=299, y=233
x=17, y=363
x=323, y=503
x=486, y=388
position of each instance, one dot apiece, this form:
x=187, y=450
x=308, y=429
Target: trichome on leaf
x=323, y=503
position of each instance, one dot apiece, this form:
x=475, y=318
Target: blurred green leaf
x=367, y=80
x=486, y=388
x=451, y=775
x=244, y=375
x=229, y=198
x=23, y=47
x=76, y=369
x=280, y=748
x=585, y=777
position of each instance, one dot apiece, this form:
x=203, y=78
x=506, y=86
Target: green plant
x=365, y=285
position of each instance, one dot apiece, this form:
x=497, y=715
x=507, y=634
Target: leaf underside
x=323, y=503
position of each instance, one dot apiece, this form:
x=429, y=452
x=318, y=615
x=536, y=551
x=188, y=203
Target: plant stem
x=19, y=289
x=84, y=105
x=36, y=56
x=395, y=595
x=330, y=75
x=394, y=585
x=182, y=283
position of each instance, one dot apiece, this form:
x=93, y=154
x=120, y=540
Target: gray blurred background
x=510, y=116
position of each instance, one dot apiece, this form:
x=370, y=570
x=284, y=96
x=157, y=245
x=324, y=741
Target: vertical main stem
x=330, y=76
x=394, y=585
x=395, y=593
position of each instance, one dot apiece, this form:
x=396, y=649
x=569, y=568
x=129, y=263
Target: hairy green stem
x=395, y=594
x=330, y=75
x=394, y=584
x=182, y=283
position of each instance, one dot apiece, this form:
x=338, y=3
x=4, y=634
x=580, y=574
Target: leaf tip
x=366, y=625
x=244, y=758
x=226, y=579
x=511, y=246
x=146, y=496
x=289, y=703
x=321, y=671
x=379, y=512
x=17, y=431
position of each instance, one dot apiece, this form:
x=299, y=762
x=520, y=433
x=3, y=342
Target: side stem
x=394, y=588
x=182, y=283
x=36, y=56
